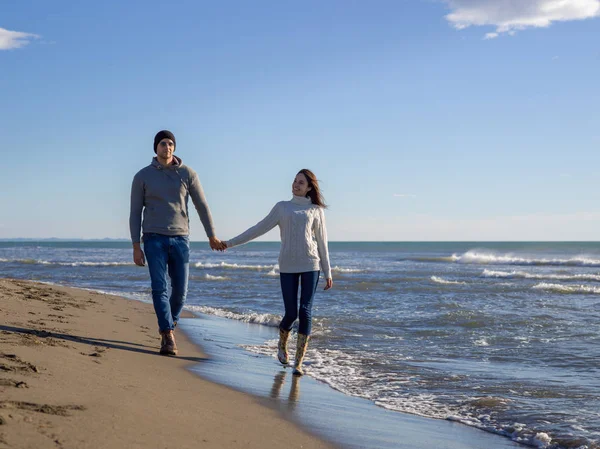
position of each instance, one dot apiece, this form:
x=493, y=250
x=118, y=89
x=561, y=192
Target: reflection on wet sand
x=279, y=381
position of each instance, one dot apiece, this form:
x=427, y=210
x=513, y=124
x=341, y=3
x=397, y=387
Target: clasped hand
x=216, y=244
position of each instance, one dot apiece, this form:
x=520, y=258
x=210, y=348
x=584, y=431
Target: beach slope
x=80, y=369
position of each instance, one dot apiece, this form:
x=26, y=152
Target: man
x=161, y=190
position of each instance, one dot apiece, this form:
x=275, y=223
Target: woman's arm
x=260, y=228
x=321, y=236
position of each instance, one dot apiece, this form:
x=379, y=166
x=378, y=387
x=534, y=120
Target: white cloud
x=14, y=39
x=404, y=195
x=509, y=16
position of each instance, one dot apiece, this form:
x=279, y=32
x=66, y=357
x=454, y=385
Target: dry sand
x=80, y=369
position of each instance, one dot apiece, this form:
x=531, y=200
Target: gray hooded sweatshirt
x=162, y=194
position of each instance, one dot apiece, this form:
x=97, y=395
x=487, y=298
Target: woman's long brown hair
x=314, y=193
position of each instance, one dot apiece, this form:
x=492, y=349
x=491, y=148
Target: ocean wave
x=560, y=288
x=96, y=264
x=475, y=257
x=273, y=269
x=491, y=258
x=210, y=277
x=23, y=261
x=235, y=266
x=481, y=342
x=439, y=280
x=452, y=258
x=266, y=319
x=337, y=269
x=66, y=264
x=525, y=275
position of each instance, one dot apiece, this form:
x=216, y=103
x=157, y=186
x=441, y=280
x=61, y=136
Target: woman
x=303, y=252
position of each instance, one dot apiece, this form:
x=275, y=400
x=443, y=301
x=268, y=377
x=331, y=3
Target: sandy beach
x=80, y=369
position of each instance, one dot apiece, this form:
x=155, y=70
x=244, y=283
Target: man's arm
x=138, y=255
x=135, y=220
x=201, y=205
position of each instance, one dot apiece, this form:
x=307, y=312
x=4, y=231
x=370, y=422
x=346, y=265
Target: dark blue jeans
x=289, y=288
x=167, y=255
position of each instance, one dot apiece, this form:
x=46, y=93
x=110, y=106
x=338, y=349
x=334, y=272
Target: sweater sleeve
x=201, y=205
x=320, y=230
x=135, y=209
x=260, y=228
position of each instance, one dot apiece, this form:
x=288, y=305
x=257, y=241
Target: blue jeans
x=289, y=288
x=167, y=254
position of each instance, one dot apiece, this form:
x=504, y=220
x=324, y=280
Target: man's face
x=165, y=149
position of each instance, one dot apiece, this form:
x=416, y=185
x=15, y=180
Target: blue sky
x=423, y=119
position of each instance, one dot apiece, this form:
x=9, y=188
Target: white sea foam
x=210, y=277
x=478, y=257
x=452, y=258
x=351, y=375
x=391, y=337
x=96, y=264
x=337, y=269
x=28, y=261
x=273, y=269
x=560, y=288
x=348, y=374
x=234, y=266
x=266, y=319
x=439, y=280
x=481, y=342
x=525, y=275
x=542, y=440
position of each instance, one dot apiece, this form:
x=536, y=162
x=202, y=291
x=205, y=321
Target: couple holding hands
x=159, y=213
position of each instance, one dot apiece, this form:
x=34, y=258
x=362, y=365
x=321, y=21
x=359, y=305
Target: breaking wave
x=439, y=280
x=525, y=275
x=560, y=288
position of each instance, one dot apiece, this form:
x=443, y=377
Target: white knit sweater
x=303, y=236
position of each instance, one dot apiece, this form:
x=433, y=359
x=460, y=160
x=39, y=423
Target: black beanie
x=164, y=134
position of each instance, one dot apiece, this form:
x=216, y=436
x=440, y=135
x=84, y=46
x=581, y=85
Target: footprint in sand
x=13, y=364
x=59, y=410
x=13, y=383
x=98, y=352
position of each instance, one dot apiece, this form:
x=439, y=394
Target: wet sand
x=353, y=423
x=80, y=369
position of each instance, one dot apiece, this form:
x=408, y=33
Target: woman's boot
x=282, y=351
x=300, y=351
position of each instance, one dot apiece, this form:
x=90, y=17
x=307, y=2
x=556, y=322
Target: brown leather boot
x=167, y=344
x=282, y=350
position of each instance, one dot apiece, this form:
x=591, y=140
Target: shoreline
x=74, y=363
x=81, y=369
x=352, y=422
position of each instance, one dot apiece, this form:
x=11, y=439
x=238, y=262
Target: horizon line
x=75, y=239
